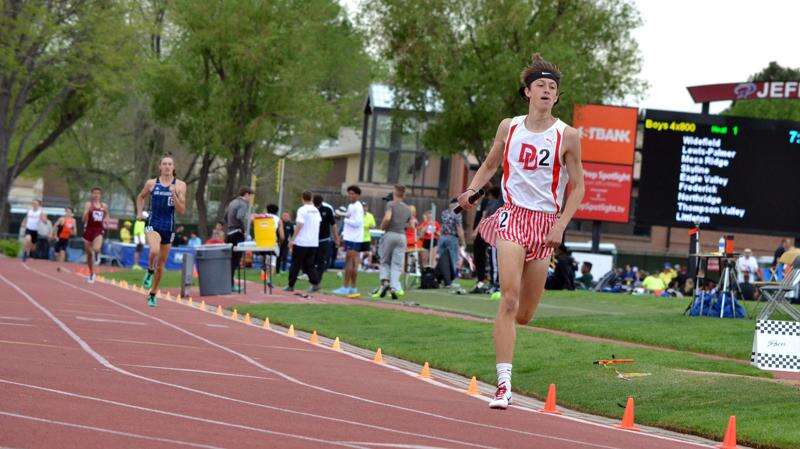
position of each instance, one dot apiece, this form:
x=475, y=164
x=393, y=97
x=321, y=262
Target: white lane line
x=357, y=398
x=152, y=343
x=89, y=312
x=216, y=325
x=14, y=318
x=17, y=324
x=274, y=347
x=358, y=357
x=187, y=370
x=12, y=342
x=396, y=445
x=103, y=361
x=106, y=320
x=180, y=415
x=113, y=432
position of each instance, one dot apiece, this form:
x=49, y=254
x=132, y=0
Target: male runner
x=95, y=217
x=540, y=155
x=167, y=194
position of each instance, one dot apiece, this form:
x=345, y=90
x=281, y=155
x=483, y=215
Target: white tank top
x=33, y=219
x=534, y=176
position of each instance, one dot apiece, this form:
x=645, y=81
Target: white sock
x=504, y=374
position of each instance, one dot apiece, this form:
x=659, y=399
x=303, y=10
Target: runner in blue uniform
x=167, y=195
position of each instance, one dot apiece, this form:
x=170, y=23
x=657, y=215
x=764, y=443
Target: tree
x=239, y=81
x=769, y=109
x=58, y=59
x=467, y=55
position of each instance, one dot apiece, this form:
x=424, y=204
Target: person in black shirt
x=785, y=244
x=328, y=234
x=288, y=233
x=563, y=276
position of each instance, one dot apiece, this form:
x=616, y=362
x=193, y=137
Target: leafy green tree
x=244, y=77
x=57, y=59
x=769, y=109
x=467, y=55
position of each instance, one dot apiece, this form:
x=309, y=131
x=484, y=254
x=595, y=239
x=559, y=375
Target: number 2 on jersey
x=531, y=159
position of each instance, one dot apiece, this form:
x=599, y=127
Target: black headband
x=533, y=76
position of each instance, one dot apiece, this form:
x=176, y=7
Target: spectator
x=125, y=232
x=683, y=275
x=393, y=244
x=489, y=206
x=194, y=240
x=667, y=274
x=272, y=212
x=236, y=215
x=585, y=281
x=139, y=240
x=328, y=235
x=366, y=245
x=688, y=287
x=641, y=275
x=785, y=245
x=430, y=230
x=305, y=244
x=563, y=275
x=43, y=244
x=353, y=236
x=64, y=229
x=179, y=237
x=452, y=238
x=288, y=233
x=654, y=283
x=747, y=273
x=628, y=275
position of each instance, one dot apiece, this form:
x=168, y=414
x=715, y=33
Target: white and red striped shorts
x=525, y=227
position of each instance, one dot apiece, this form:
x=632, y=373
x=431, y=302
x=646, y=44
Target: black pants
x=479, y=248
x=283, y=258
x=303, y=257
x=236, y=256
x=323, y=258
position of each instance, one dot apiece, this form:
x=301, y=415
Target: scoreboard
x=721, y=172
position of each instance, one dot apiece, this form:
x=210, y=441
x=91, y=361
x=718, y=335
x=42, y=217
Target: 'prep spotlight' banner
x=608, y=192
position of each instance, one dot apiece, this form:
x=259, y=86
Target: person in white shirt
x=747, y=267
x=31, y=225
x=305, y=244
x=352, y=236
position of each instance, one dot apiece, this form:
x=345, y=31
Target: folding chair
x=776, y=293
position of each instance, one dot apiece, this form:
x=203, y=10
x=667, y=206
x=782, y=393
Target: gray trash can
x=214, y=269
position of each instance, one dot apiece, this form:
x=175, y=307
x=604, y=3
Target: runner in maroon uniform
x=95, y=216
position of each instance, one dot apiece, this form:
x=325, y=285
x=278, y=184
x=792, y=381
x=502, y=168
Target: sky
x=687, y=43
x=694, y=42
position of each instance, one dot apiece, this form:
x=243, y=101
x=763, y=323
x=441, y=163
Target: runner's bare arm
x=86, y=207
x=572, y=160
x=180, y=196
x=489, y=166
x=140, y=199
x=106, y=215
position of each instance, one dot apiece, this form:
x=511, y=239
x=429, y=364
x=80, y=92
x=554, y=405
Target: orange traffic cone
x=266, y=323
x=247, y=318
x=729, y=442
x=194, y=273
x=203, y=304
x=378, y=356
x=472, y=389
x=263, y=275
x=290, y=332
x=235, y=315
x=550, y=402
x=627, y=417
x=337, y=345
x=314, y=340
x=219, y=310
x=425, y=373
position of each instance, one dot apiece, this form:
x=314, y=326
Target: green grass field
x=639, y=319
x=697, y=402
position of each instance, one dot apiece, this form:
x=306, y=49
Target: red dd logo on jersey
x=527, y=157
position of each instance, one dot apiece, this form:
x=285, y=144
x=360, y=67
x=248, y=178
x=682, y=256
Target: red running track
x=92, y=366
